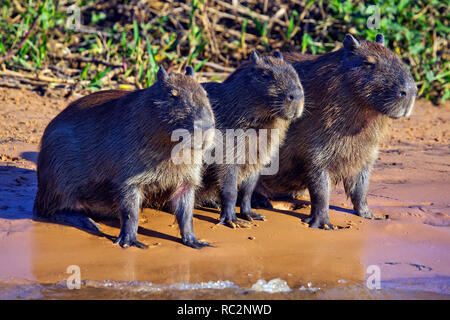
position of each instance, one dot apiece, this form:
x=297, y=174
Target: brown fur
x=350, y=96
x=253, y=98
x=104, y=145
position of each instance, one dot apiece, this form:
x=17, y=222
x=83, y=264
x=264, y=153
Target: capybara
x=350, y=96
x=106, y=152
x=266, y=94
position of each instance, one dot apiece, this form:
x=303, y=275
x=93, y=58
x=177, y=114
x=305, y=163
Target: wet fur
x=107, y=152
x=347, y=113
x=238, y=105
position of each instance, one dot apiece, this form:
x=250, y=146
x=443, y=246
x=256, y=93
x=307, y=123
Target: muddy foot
x=251, y=216
x=72, y=218
x=319, y=222
x=191, y=241
x=234, y=223
x=365, y=213
x=126, y=241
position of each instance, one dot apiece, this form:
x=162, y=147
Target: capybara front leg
x=357, y=189
x=228, y=196
x=319, y=191
x=247, y=188
x=182, y=205
x=129, y=200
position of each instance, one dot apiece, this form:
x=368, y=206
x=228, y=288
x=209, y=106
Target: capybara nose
x=408, y=95
x=206, y=129
x=408, y=91
x=296, y=99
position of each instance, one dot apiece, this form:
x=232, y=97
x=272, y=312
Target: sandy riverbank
x=410, y=184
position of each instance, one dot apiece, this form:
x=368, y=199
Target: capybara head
x=273, y=86
x=186, y=105
x=377, y=77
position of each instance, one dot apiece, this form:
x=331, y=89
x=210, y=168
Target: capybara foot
x=191, y=241
x=260, y=202
x=365, y=212
x=251, y=216
x=319, y=222
x=234, y=223
x=126, y=240
x=210, y=204
x=73, y=219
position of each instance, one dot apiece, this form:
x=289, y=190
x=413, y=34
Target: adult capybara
x=350, y=96
x=264, y=95
x=106, y=152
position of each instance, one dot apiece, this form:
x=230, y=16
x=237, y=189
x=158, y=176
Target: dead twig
x=87, y=60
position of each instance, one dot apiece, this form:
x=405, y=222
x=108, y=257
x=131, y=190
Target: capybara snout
x=407, y=96
x=296, y=99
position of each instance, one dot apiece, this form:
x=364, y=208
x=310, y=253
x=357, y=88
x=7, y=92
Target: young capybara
x=106, y=152
x=266, y=94
x=350, y=96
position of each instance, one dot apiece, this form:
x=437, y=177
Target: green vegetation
x=120, y=44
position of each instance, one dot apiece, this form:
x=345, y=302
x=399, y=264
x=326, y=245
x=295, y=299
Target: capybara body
x=106, y=152
x=265, y=94
x=350, y=96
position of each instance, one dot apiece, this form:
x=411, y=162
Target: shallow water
x=420, y=288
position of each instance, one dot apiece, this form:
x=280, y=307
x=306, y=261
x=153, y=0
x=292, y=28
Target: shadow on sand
x=30, y=156
x=18, y=187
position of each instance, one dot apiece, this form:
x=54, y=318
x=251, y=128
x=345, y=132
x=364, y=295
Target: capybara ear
x=162, y=74
x=254, y=57
x=277, y=54
x=380, y=39
x=350, y=42
x=189, y=71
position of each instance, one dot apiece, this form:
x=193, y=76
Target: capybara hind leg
x=259, y=201
x=228, y=196
x=319, y=191
x=357, y=189
x=182, y=205
x=210, y=204
x=71, y=218
x=247, y=188
x=129, y=204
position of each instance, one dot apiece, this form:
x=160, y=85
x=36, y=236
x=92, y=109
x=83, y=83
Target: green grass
x=417, y=30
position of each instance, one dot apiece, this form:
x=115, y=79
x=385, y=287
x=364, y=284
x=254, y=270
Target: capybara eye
x=267, y=76
x=369, y=65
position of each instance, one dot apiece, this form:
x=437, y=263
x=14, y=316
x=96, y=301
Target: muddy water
x=305, y=263
x=280, y=258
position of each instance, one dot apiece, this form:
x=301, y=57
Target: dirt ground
x=410, y=184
